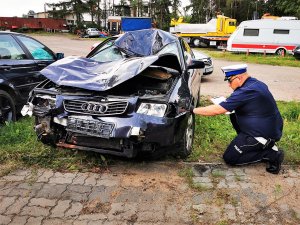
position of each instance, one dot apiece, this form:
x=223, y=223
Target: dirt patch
x=96, y=206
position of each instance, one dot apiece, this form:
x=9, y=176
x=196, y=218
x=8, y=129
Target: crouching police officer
x=256, y=120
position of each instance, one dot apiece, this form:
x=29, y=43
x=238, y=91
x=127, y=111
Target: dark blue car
x=21, y=59
x=131, y=95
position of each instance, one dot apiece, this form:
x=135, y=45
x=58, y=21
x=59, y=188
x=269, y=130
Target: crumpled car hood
x=100, y=76
x=144, y=42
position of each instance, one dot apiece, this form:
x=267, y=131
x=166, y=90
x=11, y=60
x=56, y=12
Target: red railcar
x=13, y=23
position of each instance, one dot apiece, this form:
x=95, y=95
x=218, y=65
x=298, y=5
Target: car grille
x=90, y=127
x=95, y=108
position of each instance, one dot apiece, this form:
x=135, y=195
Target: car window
x=10, y=49
x=187, y=52
x=37, y=50
x=111, y=53
x=170, y=48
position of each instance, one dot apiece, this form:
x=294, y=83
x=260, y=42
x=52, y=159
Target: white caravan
x=265, y=36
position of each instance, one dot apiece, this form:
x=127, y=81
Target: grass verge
x=258, y=58
x=20, y=147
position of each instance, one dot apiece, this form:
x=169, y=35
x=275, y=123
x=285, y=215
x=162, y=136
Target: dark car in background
x=21, y=59
x=130, y=95
x=296, y=52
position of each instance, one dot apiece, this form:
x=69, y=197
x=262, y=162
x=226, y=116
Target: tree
x=64, y=8
x=199, y=9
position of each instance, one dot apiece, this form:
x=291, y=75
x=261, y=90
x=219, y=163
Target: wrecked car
x=131, y=95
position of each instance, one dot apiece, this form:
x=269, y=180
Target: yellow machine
x=175, y=22
x=214, y=33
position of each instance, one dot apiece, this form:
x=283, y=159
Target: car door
x=194, y=75
x=17, y=69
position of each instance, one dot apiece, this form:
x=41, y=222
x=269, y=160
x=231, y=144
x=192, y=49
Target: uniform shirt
x=255, y=109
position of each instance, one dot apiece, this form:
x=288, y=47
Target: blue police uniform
x=256, y=115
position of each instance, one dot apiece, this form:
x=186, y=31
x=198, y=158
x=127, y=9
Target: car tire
x=280, y=51
x=196, y=42
x=186, y=145
x=7, y=108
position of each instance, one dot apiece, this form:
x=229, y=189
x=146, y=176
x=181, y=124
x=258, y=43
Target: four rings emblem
x=94, y=108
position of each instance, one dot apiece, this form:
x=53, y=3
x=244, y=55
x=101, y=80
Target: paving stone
x=57, y=221
x=222, y=184
x=62, y=178
x=201, y=180
x=21, y=172
x=230, y=212
x=4, y=220
x=5, y=203
x=60, y=208
x=45, y=176
x=8, y=188
x=19, y=220
x=201, y=198
x=91, y=180
x=34, y=220
x=148, y=216
x=76, y=193
x=122, y=211
x=129, y=195
x=94, y=216
x=108, y=182
x=80, y=178
x=75, y=209
x=35, y=211
x=16, y=207
x=26, y=190
x=201, y=170
x=43, y=202
x=102, y=193
x=81, y=222
x=151, y=206
x=51, y=191
x=13, y=178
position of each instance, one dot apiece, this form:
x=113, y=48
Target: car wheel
x=7, y=108
x=196, y=42
x=188, y=137
x=280, y=51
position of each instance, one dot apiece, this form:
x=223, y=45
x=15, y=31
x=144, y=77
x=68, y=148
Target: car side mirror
x=60, y=56
x=196, y=64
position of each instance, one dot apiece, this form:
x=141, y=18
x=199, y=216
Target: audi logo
x=94, y=108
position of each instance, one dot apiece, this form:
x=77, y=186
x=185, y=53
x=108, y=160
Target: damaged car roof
x=140, y=48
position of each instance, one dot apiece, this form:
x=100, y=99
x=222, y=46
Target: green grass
x=269, y=59
x=213, y=134
x=20, y=147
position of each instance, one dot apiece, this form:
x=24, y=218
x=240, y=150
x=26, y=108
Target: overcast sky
x=20, y=7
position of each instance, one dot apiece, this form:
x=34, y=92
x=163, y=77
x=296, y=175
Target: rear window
x=251, y=32
x=278, y=31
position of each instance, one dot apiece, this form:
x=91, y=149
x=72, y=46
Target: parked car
x=209, y=68
x=93, y=32
x=21, y=59
x=296, y=52
x=130, y=95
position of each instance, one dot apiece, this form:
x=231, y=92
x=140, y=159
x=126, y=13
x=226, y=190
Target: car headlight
x=152, y=109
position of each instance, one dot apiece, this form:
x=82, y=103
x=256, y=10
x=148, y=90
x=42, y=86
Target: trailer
x=119, y=24
x=265, y=36
x=214, y=33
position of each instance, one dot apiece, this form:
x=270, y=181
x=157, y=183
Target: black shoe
x=275, y=166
